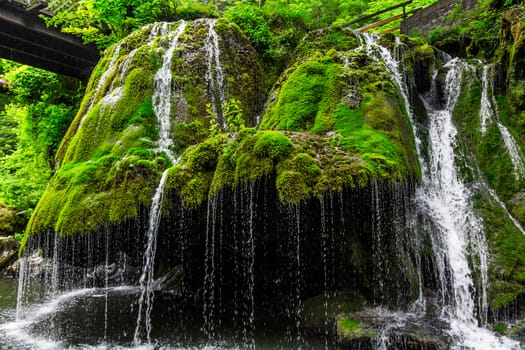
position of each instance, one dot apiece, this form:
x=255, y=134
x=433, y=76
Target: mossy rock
x=109, y=162
x=8, y=251
x=350, y=330
x=334, y=120
x=324, y=311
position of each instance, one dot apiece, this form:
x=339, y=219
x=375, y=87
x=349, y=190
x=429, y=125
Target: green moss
x=306, y=98
x=272, y=144
x=500, y=328
x=291, y=187
x=327, y=126
x=351, y=329
x=425, y=52
x=359, y=137
x=188, y=134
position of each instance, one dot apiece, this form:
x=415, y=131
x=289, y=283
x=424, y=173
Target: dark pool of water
x=106, y=319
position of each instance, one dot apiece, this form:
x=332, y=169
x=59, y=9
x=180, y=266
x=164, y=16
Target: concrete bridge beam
x=25, y=38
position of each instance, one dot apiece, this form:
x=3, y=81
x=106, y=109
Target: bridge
x=24, y=38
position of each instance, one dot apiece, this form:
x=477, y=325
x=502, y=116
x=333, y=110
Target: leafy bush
x=32, y=126
x=252, y=21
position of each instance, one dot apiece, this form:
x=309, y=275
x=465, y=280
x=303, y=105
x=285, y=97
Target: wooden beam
x=26, y=39
x=35, y=7
x=389, y=30
x=372, y=15
x=379, y=24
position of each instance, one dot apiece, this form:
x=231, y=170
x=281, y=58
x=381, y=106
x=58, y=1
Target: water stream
x=447, y=201
x=162, y=108
x=489, y=113
x=215, y=78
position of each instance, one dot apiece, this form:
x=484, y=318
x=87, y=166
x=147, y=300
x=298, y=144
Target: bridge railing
x=49, y=8
x=382, y=22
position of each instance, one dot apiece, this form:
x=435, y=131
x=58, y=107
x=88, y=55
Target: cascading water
x=147, y=283
x=162, y=91
x=162, y=108
x=215, y=78
x=489, y=113
x=446, y=200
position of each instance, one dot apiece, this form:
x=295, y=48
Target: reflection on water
x=7, y=298
x=79, y=319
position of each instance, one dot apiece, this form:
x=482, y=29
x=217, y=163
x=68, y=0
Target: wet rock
x=113, y=274
x=369, y=329
x=172, y=281
x=8, y=254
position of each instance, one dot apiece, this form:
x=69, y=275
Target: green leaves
x=31, y=127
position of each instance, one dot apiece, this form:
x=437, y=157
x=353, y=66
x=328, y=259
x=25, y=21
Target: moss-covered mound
x=334, y=119
x=109, y=160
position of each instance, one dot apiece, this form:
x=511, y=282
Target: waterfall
x=485, y=111
x=296, y=212
x=23, y=276
x=209, y=295
x=147, y=285
x=162, y=91
x=446, y=198
x=447, y=202
x=489, y=111
x=249, y=327
x=215, y=78
x=162, y=108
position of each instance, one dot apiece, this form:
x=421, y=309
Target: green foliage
x=32, y=126
x=105, y=22
x=8, y=133
x=233, y=114
x=252, y=21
